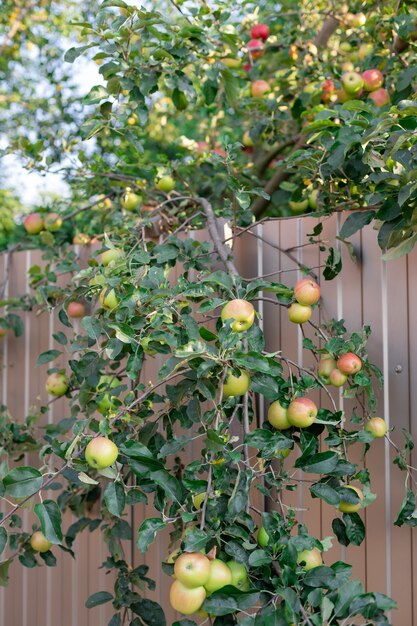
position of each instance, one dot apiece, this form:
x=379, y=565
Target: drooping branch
x=221, y=248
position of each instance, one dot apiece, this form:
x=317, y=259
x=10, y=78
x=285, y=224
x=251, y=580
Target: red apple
x=259, y=88
x=298, y=314
x=57, y=384
x=255, y=48
x=327, y=90
x=372, y=80
x=306, y=292
x=101, y=452
x=53, y=222
x=260, y=31
x=277, y=416
x=337, y=378
x=377, y=426
x=76, y=309
x=33, y=223
x=326, y=365
x=192, y=569
x=349, y=363
x=302, y=412
x=185, y=600
x=247, y=67
x=309, y=559
x=380, y=97
x=241, y=311
x=349, y=507
x=352, y=83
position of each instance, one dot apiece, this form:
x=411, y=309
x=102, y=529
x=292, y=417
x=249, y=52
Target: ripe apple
x=220, y=576
x=380, y=97
x=309, y=559
x=377, y=426
x=302, y=412
x=298, y=313
x=247, y=67
x=372, y=80
x=247, y=140
x=239, y=575
x=277, y=416
x=53, y=222
x=57, y=384
x=108, y=256
x=255, y=48
x=108, y=299
x=39, y=542
x=260, y=31
x=185, y=600
x=107, y=401
x=81, y=239
x=130, y=201
x=165, y=183
x=236, y=385
x=263, y=537
x=192, y=569
x=259, y=88
x=326, y=365
x=198, y=499
x=352, y=83
x=76, y=309
x=349, y=363
x=101, y=452
x=298, y=207
x=337, y=378
x=241, y=311
x=33, y=223
x=327, y=90
x=364, y=51
x=348, y=66
x=348, y=507
x=307, y=291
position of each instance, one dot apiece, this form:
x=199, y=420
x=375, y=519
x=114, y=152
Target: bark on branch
x=326, y=31
x=212, y=225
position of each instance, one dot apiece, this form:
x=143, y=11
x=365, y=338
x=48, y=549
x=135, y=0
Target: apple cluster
x=34, y=223
x=306, y=293
x=336, y=372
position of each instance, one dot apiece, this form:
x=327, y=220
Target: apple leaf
x=115, y=498
x=147, y=532
x=49, y=515
x=4, y=572
x=101, y=597
x=46, y=357
x=3, y=539
x=150, y=612
x=23, y=481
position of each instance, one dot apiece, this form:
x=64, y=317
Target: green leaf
x=326, y=493
x=115, y=498
x=3, y=539
x=240, y=494
x=321, y=576
x=403, y=248
x=258, y=558
x=49, y=515
x=23, y=481
x=355, y=528
x=174, y=445
x=46, y=357
x=101, y=597
x=320, y=463
x=147, y=532
x=4, y=572
x=150, y=612
x=230, y=600
x=73, y=53
x=354, y=222
x=169, y=484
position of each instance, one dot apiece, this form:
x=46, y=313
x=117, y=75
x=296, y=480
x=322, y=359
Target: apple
x=349, y=363
x=236, y=385
x=377, y=426
x=247, y=67
x=356, y=20
x=260, y=31
x=220, y=576
x=352, y=83
x=277, y=416
x=108, y=256
x=343, y=97
x=106, y=403
x=81, y=239
x=231, y=62
x=185, y=600
x=39, y=542
x=326, y=365
x=348, y=507
x=101, y=452
x=33, y=223
x=302, y=412
x=165, y=183
x=57, y=384
x=192, y=569
x=198, y=499
x=259, y=88
x=76, y=309
x=263, y=537
x=298, y=207
x=327, y=90
x=282, y=454
x=364, y=51
x=247, y=140
x=130, y=201
x=337, y=378
x=239, y=575
x=306, y=292
x=312, y=199
x=345, y=47
x=108, y=299
x=380, y=97
x=372, y=80
x=53, y=222
x=241, y=311
x=348, y=66
x=309, y=559
x=298, y=314
x=255, y=48
x=3, y=331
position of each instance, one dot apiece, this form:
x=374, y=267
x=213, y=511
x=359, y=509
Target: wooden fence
x=383, y=295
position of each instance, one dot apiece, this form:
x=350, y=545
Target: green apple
x=101, y=452
x=263, y=537
x=111, y=255
x=326, y=365
x=106, y=403
x=236, y=385
x=277, y=416
x=298, y=313
x=108, y=299
x=313, y=200
x=298, y=207
x=352, y=83
x=130, y=201
x=198, y=499
x=239, y=575
x=349, y=507
x=39, y=542
x=186, y=600
x=377, y=426
x=57, y=384
x=165, y=183
x=241, y=311
x=365, y=50
x=309, y=559
x=220, y=576
x=192, y=569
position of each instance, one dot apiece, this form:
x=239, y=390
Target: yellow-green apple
x=198, y=499
x=236, y=385
x=309, y=559
x=165, y=183
x=33, y=223
x=349, y=363
x=282, y=454
x=298, y=314
x=255, y=48
x=355, y=19
x=337, y=378
x=101, y=452
x=380, y=97
x=108, y=299
x=231, y=62
x=260, y=31
x=39, y=542
x=105, y=382
x=186, y=600
x=349, y=507
x=259, y=88
x=298, y=207
x=263, y=537
x=277, y=416
x=348, y=66
x=192, y=569
x=302, y=412
x=365, y=50
x=81, y=239
x=53, y=222
x=76, y=309
x=313, y=199
x=108, y=256
x=377, y=426
x=326, y=365
x=220, y=576
x=239, y=575
x=352, y=83
x=130, y=200
x=241, y=311
x=372, y=80
x=247, y=140
x=307, y=291
x=57, y=384
x=345, y=47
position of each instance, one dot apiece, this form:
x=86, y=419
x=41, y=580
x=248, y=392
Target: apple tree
x=206, y=114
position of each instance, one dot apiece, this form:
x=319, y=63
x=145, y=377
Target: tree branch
x=266, y=159
x=326, y=31
x=212, y=224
